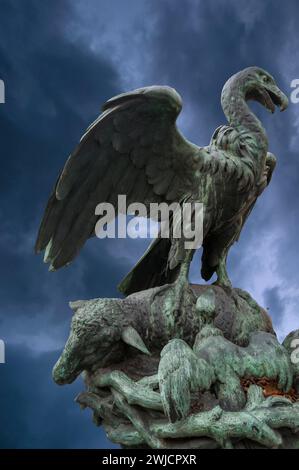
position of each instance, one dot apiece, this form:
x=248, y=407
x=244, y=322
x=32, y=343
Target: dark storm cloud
x=38, y=413
x=198, y=45
x=58, y=70
x=54, y=88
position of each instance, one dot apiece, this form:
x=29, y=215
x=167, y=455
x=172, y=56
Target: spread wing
x=133, y=148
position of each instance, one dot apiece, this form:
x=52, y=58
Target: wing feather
x=132, y=148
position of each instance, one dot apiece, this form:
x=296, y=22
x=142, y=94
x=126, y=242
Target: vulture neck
x=239, y=115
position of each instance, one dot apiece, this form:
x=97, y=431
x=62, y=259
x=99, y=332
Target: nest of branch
x=269, y=387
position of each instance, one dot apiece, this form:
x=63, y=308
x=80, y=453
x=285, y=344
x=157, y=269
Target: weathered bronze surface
x=134, y=148
x=165, y=367
x=159, y=378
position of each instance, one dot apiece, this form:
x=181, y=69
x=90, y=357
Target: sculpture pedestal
x=205, y=373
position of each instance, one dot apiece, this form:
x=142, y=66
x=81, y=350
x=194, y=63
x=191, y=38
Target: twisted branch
x=258, y=421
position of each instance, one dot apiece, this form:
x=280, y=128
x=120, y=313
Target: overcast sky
x=60, y=60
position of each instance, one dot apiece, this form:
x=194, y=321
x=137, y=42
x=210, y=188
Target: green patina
x=164, y=366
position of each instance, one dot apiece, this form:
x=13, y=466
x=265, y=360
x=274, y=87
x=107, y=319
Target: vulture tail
x=151, y=270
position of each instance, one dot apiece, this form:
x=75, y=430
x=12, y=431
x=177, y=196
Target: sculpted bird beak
x=273, y=97
x=268, y=94
x=284, y=101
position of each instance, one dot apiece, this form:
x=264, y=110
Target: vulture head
x=256, y=84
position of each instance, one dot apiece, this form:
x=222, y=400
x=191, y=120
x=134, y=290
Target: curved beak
x=277, y=98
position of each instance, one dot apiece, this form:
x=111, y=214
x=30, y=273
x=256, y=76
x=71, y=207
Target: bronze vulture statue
x=134, y=148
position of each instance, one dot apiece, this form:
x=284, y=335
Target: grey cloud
x=60, y=62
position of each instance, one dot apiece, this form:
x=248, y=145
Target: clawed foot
x=225, y=284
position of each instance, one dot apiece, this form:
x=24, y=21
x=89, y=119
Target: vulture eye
x=266, y=79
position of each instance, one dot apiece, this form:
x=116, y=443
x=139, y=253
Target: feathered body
x=134, y=148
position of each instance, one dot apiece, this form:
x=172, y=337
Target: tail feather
x=208, y=261
x=151, y=270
